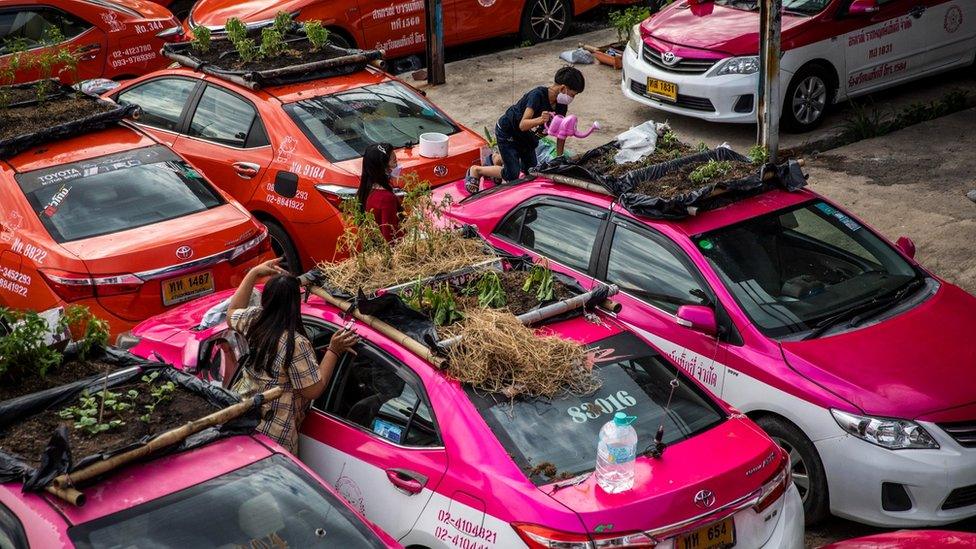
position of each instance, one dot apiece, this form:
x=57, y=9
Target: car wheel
x=807, y=469
x=283, y=247
x=807, y=99
x=545, y=20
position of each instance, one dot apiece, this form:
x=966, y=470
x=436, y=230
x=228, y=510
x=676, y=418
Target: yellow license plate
x=663, y=89
x=185, y=288
x=714, y=536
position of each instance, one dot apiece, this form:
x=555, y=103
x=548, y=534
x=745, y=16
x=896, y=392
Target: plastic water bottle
x=616, y=453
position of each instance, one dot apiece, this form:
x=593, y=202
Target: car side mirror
x=863, y=7
x=907, y=246
x=286, y=184
x=699, y=318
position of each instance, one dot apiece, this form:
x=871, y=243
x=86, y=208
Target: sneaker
x=471, y=183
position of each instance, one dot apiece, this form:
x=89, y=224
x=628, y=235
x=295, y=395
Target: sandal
x=472, y=183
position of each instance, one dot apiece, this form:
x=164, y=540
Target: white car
x=699, y=58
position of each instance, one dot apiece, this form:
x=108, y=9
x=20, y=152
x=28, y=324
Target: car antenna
x=656, y=448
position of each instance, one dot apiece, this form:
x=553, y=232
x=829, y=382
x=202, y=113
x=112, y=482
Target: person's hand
x=268, y=268
x=343, y=341
x=546, y=117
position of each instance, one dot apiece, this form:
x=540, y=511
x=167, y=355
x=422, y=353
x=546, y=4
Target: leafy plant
x=318, y=36
x=362, y=233
x=541, y=277
x=23, y=351
x=237, y=34
x=283, y=22
x=272, y=42
x=438, y=303
x=491, y=139
x=759, y=155
x=89, y=416
x=489, y=290
x=90, y=331
x=236, y=30
x=160, y=392
x=201, y=39
x=623, y=21
x=16, y=52
x=48, y=58
x=668, y=140
x=709, y=171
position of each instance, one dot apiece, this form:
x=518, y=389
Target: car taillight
x=255, y=247
x=336, y=194
x=171, y=34
x=541, y=537
x=74, y=286
x=775, y=486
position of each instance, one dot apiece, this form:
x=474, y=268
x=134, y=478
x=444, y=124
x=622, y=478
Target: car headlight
x=894, y=434
x=635, y=39
x=738, y=65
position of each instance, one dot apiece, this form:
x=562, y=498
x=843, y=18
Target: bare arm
x=242, y=296
x=529, y=120
x=560, y=146
x=342, y=342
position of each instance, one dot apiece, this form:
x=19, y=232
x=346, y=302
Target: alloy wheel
x=798, y=467
x=548, y=18
x=810, y=99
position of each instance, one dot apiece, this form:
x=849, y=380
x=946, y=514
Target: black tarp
x=576, y=167
x=57, y=458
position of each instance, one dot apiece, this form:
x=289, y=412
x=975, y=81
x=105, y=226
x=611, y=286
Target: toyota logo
x=440, y=170
x=184, y=252
x=669, y=58
x=704, y=499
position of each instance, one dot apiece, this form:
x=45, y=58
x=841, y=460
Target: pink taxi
x=243, y=491
x=854, y=358
x=908, y=539
x=436, y=464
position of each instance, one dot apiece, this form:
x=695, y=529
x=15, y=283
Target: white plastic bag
x=638, y=141
x=579, y=56
x=218, y=313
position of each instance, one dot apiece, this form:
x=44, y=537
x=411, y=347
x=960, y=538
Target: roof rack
x=104, y=114
x=335, y=61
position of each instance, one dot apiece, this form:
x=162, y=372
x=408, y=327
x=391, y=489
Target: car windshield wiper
x=859, y=313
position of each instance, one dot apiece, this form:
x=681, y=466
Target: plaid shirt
x=288, y=412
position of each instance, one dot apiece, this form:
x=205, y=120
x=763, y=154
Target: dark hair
x=572, y=78
x=281, y=313
x=376, y=160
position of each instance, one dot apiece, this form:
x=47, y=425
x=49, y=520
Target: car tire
x=544, y=20
x=808, y=98
x=283, y=247
x=808, y=472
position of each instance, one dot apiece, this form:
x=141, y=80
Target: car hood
x=709, y=26
x=908, y=366
x=217, y=12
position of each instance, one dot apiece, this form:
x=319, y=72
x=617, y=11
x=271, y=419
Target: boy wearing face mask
x=515, y=130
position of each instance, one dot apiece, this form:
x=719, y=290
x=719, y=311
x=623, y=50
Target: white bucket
x=433, y=145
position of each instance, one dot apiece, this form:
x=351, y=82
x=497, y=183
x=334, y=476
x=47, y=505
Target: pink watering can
x=562, y=127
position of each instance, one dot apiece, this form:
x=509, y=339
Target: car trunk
x=464, y=150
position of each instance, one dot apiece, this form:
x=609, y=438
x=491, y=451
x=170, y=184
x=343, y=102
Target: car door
x=884, y=47
x=950, y=33
x=477, y=19
x=373, y=436
x=396, y=27
x=164, y=102
x=655, y=278
x=225, y=138
x=34, y=28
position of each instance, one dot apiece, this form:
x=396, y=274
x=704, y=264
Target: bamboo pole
x=563, y=306
x=64, y=484
x=574, y=182
x=72, y=496
x=403, y=339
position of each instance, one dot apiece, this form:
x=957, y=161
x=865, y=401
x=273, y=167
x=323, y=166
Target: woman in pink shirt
x=375, y=192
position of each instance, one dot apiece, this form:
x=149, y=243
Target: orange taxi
x=311, y=134
x=114, y=39
x=115, y=221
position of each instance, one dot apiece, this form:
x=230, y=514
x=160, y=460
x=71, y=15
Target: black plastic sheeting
x=576, y=169
x=57, y=458
x=20, y=143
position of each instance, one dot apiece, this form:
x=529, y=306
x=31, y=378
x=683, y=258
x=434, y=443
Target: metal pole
x=767, y=107
x=434, y=34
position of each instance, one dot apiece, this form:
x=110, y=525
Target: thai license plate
x=718, y=535
x=660, y=88
x=185, y=288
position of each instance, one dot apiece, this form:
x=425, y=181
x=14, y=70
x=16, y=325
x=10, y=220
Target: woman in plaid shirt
x=280, y=353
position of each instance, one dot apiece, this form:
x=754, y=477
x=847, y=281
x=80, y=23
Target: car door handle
x=246, y=170
x=89, y=52
x=406, y=481
x=917, y=11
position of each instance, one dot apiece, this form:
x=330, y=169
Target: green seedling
x=272, y=42
x=759, y=155
x=283, y=23
x=318, y=36
x=201, y=39
x=23, y=352
x=489, y=290
x=541, y=277
x=709, y=171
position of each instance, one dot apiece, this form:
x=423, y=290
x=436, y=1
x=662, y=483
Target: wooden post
x=767, y=107
x=434, y=35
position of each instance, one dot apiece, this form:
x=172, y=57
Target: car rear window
x=563, y=432
x=117, y=192
x=270, y=503
x=342, y=125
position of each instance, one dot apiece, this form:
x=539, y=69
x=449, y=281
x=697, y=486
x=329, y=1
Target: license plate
x=718, y=535
x=663, y=89
x=185, y=288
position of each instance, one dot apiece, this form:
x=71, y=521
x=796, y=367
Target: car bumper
x=856, y=471
x=728, y=98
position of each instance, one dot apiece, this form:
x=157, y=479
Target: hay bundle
x=499, y=355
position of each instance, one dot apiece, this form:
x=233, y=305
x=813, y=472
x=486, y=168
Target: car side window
x=650, y=271
x=563, y=233
x=32, y=27
x=162, y=101
x=222, y=117
x=12, y=533
x=382, y=397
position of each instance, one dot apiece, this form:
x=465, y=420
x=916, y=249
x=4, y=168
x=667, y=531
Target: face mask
x=564, y=99
x=395, y=172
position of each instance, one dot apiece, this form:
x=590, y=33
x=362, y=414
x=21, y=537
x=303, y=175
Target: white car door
x=950, y=33
x=889, y=47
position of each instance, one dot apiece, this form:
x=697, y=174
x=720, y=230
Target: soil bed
x=29, y=438
x=606, y=165
x=299, y=52
x=22, y=119
x=677, y=182
x=68, y=372
x=517, y=300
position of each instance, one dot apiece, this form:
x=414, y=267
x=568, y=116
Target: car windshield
x=800, y=7
x=114, y=193
x=342, y=125
x=793, y=269
x=270, y=503
x=564, y=431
